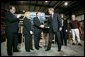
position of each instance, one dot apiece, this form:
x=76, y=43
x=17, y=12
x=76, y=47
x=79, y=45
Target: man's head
x=73, y=17
x=37, y=14
x=12, y=9
x=27, y=14
x=51, y=10
x=62, y=16
x=65, y=18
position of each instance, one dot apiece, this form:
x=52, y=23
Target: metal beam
x=40, y=7
x=71, y=3
x=67, y=5
x=76, y=4
x=60, y=5
x=31, y=4
x=57, y=3
x=34, y=6
x=45, y=8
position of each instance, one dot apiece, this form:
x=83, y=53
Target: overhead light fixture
x=46, y=1
x=66, y=3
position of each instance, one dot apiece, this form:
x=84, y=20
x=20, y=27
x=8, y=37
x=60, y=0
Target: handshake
x=42, y=26
x=31, y=32
x=19, y=15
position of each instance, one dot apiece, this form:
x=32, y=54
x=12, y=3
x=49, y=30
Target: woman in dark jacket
x=27, y=30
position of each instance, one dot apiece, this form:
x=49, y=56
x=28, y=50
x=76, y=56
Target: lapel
x=54, y=17
x=38, y=19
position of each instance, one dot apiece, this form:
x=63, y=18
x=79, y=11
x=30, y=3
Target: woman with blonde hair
x=27, y=30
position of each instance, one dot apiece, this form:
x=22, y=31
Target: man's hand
x=19, y=15
x=60, y=28
x=66, y=30
x=46, y=27
x=42, y=26
x=31, y=32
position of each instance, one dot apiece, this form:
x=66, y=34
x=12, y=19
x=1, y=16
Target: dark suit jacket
x=37, y=23
x=65, y=24
x=11, y=22
x=27, y=26
x=55, y=22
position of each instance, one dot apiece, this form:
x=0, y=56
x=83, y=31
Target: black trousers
x=28, y=42
x=57, y=39
x=19, y=38
x=37, y=37
x=12, y=42
x=64, y=36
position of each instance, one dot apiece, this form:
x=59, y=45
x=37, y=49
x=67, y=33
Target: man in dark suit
x=64, y=31
x=55, y=28
x=11, y=30
x=27, y=32
x=37, y=30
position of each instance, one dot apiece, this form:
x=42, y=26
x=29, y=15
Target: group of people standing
x=55, y=26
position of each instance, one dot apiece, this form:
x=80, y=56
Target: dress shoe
x=32, y=49
x=65, y=45
x=40, y=47
x=9, y=54
x=79, y=44
x=37, y=48
x=15, y=50
x=28, y=51
x=59, y=50
x=47, y=49
x=73, y=43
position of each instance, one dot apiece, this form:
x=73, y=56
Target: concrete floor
x=69, y=50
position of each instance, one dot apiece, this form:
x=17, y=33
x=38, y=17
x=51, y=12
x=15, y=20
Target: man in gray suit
x=55, y=28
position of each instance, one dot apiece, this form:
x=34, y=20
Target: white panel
x=79, y=18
